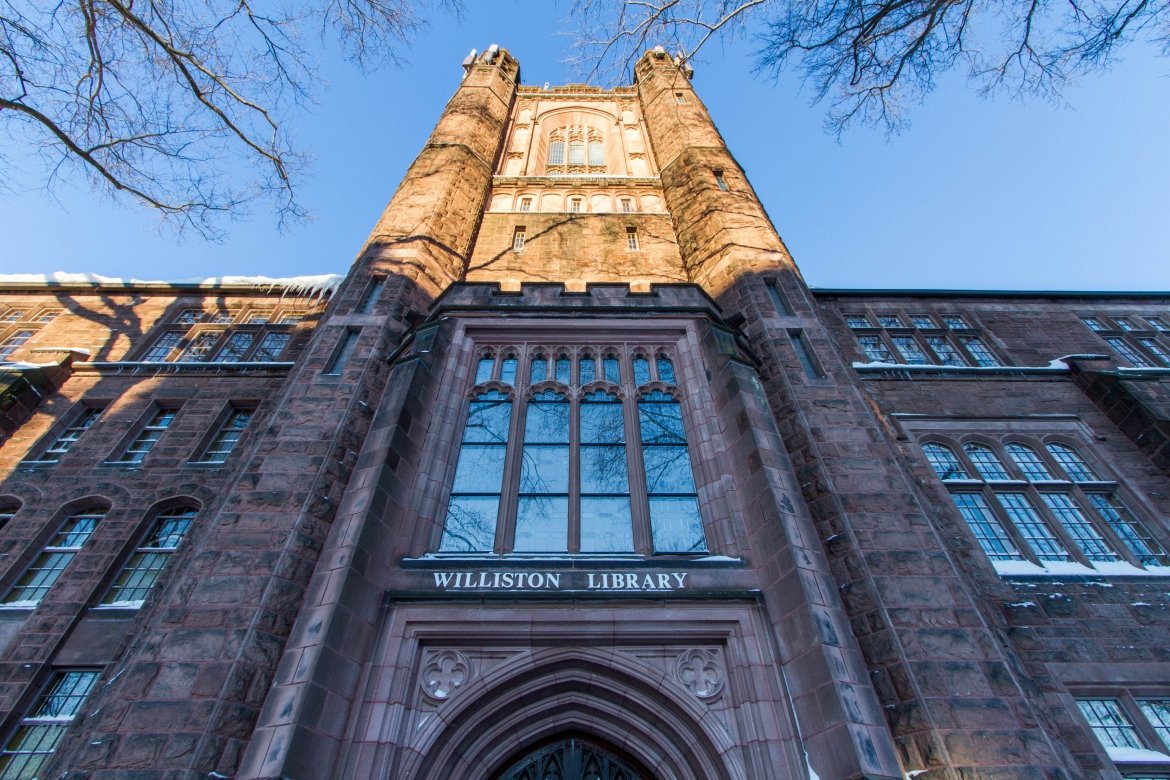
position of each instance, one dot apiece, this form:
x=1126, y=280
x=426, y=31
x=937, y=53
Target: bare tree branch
x=869, y=59
x=179, y=104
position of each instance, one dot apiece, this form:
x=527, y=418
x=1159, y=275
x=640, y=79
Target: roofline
x=897, y=293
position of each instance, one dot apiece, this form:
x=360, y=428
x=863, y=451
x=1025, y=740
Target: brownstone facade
x=573, y=472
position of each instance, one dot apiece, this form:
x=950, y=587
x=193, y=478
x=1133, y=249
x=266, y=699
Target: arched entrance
x=571, y=758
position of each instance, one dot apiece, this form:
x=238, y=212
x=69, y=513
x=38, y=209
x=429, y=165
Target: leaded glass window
x=55, y=556
x=39, y=732
x=146, y=565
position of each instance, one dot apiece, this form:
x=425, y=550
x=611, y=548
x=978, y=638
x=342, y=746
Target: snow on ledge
x=1066, y=568
x=1131, y=755
x=319, y=286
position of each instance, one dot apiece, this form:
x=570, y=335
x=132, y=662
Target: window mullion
x=509, y=497
x=636, y=469
x=574, y=530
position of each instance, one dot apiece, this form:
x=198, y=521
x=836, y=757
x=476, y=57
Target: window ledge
x=565, y=560
x=1073, y=569
x=1136, y=756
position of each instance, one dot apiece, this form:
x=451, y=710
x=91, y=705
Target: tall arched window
x=479, y=475
x=670, y=485
x=146, y=565
x=54, y=557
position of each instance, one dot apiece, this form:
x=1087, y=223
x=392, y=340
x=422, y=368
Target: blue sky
x=976, y=193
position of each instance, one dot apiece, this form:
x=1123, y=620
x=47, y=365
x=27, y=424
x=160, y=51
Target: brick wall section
x=1051, y=624
x=589, y=247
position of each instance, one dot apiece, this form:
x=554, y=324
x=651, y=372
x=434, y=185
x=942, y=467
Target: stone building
x=573, y=476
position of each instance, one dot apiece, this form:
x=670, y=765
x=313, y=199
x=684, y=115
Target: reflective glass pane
x=676, y=525
x=547, y=423
x=613, y=371
x=668, y=470
x=661, y=423
x=562, y=369
x=544, y=469
x=487, y=421
x=665, y=370
x=480, y=469
x=471, y=524
x=986, y=462
x=483, y=369
x=587, y=369
x=641, y=371
x=542, y=524
x=539, y=371
x=605, y=525
x=603, y=469
x=508, y=371
x=602, y=423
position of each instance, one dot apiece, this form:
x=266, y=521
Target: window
x=925, y=343
x=720, y=182
x=260, y=335
x=162, y=348
x=150, y=433
x=1043, y=507
x=373, y=293
x=777, y=298
x=526, y=204
x=680, y=98
x=342, y=354
x=596, y=153
x=199, y=347
x=47, y=315
x=627, y=205
x=228, y=435
x=518, y=239
x=576, y=153
x=236, y=346
x=271, y=346
x=632, y=238
x=15, y=315
x=14, y=342
x=41, y=730
x=82, y=422
x=140, y=573
x=1140, y=342
x=955, y=322
x=587, y=465
x=556, y=153
x=56, y=555
x=1133, y=729
x=804, y=354
x=575, y=205
x=857, y=321
x=7, y=512
x=1158, y=323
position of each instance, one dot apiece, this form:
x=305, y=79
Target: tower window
x=627, y=205
x=343, y=353
x=632, y=238
x=556, y=153
x=576, y=152
x=526, y=204
x=720, y=182
x=518, y=238
x=575, y=205
x=373, y=292
x=680, y=98
x=596, y=153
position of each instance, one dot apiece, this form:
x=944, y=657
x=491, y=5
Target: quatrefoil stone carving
x=700, y=672
x=445, y=672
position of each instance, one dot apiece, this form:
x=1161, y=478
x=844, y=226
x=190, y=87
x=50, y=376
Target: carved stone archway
x=593, y=695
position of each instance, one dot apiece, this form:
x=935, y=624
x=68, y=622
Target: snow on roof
x=319, y=286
